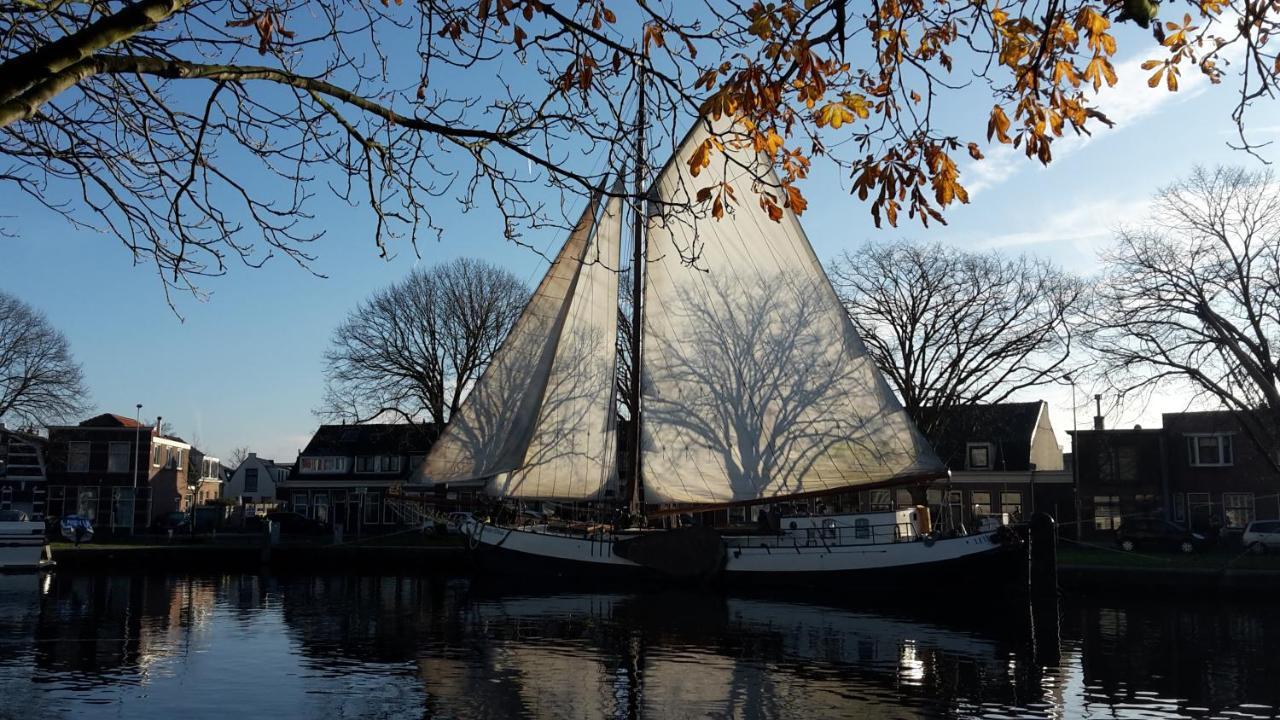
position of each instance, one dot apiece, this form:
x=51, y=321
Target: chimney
x=159, y=424
x=1098, y=423
x=252, y=456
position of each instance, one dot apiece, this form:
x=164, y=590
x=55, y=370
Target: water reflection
x=420, y=647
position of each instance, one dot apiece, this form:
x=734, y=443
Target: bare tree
x=199, y=132
x=239, y=454
x=949, y=327
x=1191, y=299
x=40, y=382
x=415, y=348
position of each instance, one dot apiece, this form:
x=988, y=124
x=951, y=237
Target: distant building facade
x=1201, y=469
x=345, y=472
x=23, y=484
x=1004, y=460
x=118, y=472
x=254, y=482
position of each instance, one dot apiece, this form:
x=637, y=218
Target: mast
x=635, y=493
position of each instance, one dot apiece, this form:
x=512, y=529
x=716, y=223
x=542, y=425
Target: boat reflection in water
x=418, y=647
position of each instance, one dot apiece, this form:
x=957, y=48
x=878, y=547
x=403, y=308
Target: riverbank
x=1090, y=569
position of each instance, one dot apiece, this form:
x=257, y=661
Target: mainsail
x=755, y=383
x=539, y=422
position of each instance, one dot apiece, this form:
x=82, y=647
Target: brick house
x=1201, y=469
x=1004, y=459
x=22, y=472
x=345, y=472
x=118, y=472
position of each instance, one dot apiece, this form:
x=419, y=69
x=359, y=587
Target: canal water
x=247, y=646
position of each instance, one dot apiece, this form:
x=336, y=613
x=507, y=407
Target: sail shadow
x=753, y=392
x=571, y=453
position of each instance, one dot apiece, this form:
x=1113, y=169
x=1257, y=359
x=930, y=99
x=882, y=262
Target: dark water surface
x=245, y=646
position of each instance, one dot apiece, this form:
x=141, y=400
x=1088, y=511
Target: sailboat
x=752, y=389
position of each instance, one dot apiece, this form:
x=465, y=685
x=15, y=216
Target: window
x=880, y=500
x=371, y=506
x=1179, y=507
x=177, y=458
x=1118, y=464
x=1212, y=450
x=122, y=507
x=389, y=463
x=77, y=457
x=251, y=480
x=904, y=499
x=978, y=456
x=118, y=457
x=300, y=503
x=1106, y=512
x=981, y=503
x=324, y=464
x=366, y=463
x=377, y=463
x=861, y=528
x=158, y=456
x=1011, y=503
x=1237, y=509
x=87, y=503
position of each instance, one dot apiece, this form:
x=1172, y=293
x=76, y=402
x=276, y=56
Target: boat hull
x=504, y=552
x=22, y=546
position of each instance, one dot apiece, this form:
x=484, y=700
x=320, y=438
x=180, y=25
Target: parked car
x=1156, y=533
x=292, y=523
x=457, y=522
x=1262, y=535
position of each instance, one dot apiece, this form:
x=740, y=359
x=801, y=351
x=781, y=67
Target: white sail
x=542, y=375
x=572, y=453
x=755, y=383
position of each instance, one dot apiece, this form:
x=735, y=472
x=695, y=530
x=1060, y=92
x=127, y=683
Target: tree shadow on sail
x=571, y=452
x=754, y=392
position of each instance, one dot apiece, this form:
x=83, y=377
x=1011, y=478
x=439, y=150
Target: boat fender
x=928, y=541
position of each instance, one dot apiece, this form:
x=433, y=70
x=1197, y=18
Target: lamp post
x=1075, y=452
x=137, y=448
x=193, y=486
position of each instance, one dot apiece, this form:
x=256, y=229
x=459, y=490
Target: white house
x=254, y=482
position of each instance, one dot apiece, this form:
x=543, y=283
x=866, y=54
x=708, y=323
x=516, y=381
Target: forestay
x=755, y=383
x=551, y=380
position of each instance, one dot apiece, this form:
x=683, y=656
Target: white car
x=1262, y=535
x=459, y=523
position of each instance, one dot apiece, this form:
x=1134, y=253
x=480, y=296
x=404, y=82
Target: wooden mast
x=635, y=494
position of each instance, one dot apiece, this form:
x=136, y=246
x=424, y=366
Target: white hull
x=22, y=546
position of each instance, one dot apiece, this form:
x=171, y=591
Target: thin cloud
x=1129, y=101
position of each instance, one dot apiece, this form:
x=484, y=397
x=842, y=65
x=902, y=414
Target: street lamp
x=137, y=448
x=193, y=486
x=1075, y=452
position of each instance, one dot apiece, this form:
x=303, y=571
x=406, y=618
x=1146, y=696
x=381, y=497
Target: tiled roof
x=112, y=420
x=372, y=439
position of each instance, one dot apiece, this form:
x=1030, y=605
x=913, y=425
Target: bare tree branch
x=414, y=349
x=40, y=382
x=1191, y=299
x=951, y=328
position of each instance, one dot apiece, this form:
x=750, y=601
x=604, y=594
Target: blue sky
x=245, y=366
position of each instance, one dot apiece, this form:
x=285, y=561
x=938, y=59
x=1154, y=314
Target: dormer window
x=978, y=456
x=1210, y=450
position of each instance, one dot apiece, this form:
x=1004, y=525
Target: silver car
x=1262, y=535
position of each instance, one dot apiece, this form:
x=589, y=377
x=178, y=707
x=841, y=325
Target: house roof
x=372, y=439
x=112, y=420
x=1008, y=425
